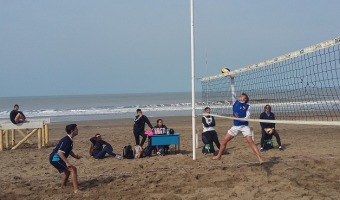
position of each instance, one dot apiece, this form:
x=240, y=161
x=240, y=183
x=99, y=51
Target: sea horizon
x=85, y=107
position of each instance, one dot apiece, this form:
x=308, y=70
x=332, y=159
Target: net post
x=1, y=140
x=13, y=137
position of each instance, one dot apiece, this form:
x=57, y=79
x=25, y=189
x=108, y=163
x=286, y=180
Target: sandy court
x=307, y=169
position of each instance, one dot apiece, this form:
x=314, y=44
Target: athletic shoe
x=280, y=148
x=118, y=157
x=261, y=149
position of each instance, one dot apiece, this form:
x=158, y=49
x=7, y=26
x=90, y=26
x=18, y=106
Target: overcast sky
x=105, y=47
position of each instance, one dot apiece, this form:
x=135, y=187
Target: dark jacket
x=13, y=114
x=98, y=145
x=266, y=116
x=208, y=121
x=140, y=123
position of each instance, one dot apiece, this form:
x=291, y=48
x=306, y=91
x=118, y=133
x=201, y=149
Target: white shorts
x=233, y=131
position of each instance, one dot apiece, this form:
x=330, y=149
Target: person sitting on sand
x=240, y=110
x=17, y=116
x=59, y=155
x=98, y=151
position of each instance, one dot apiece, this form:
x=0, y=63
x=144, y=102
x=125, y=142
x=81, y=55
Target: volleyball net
x=301, y=86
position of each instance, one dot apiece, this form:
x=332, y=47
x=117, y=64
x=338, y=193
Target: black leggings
x=137, y=134
x=275, y=133
x=210, y=137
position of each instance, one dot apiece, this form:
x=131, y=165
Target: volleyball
x=269, y=130
x=225, y=71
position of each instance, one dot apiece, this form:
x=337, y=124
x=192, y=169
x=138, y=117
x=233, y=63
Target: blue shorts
x=59, y=165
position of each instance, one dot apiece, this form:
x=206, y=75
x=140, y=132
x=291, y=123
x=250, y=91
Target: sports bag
x=128, y=152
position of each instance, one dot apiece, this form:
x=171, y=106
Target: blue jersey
x=240, y=109
x=65, y=145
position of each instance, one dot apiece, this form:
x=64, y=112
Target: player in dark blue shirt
x=240, y=110
x=58, y=157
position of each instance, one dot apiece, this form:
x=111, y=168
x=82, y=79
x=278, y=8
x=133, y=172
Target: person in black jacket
x=268, y=115
x=139, y=127
x=17, y=116
x=209, y=135
x=99, y=148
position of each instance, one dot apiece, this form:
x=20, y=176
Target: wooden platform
x=26, y=130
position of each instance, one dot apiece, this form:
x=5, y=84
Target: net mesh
x=302, y=85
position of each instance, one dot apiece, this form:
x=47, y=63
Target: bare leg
x=19, y=118
x=73, y=171
x=254, y=148
x=225, y=140
x=65, y=178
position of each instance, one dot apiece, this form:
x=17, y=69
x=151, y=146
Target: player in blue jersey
x=58, y=157
x=241, y=109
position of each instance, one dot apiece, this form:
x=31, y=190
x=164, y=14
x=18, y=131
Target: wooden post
x=25, y=138
x=47, y=134
x=24, y=135
x=1, y=147
x=13, y=137
x=39, y=138
x=43, y=136
x=6, y=139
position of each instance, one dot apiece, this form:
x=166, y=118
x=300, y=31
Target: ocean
x=96, y=107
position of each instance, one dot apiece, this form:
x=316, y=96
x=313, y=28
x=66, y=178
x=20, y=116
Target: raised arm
x=232, y=89
x=146, y=119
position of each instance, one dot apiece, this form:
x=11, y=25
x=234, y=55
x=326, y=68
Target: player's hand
x=236, y=115
x=68, y=165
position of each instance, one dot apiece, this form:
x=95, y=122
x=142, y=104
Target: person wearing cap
x=99, y=148
x=17, y=116
x=139, y=127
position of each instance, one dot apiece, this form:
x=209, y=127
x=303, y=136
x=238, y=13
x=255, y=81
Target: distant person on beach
x=240, y=110
x=265, y=127
x=161, y=149
x=17, y=116
x=139, y=127
x=209, y=135
x=58, y=157
x=99, y=148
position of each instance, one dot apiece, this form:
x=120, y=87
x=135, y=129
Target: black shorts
x=59, y=165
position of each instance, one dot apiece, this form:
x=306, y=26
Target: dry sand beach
x=307, y=169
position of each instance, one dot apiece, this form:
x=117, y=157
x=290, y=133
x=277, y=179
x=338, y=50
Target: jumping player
x=240, y=110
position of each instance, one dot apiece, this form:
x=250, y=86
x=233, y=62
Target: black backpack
x=128, y=152
x=147, y=151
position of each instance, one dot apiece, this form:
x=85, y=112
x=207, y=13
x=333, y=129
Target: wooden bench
x=39, y=125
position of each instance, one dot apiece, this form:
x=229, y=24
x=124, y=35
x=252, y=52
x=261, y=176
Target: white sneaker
x=118, y=157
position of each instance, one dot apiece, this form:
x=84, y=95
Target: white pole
x=193, y=81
